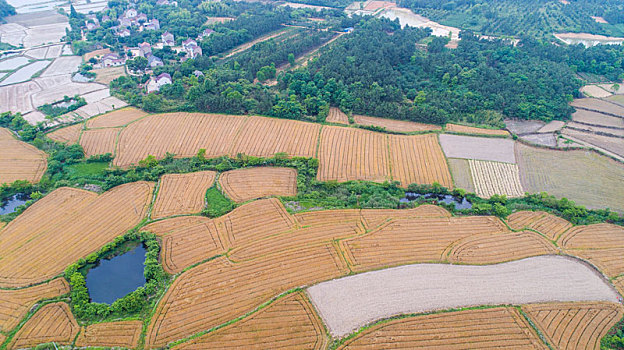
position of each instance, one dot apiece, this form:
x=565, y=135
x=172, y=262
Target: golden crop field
x=116, y=118
x=574, y=325
x=19, y=160
x=245, y=184
x=99, y=141
x=182, y=193
x=337, y=116
x=52, y=323
x=124, y=334
x=66, y=225
x=393, y=124
x=418, y=159
x=492, y=178
x=15, y=304
x=608, y=260
x=374, y=218
x=288, y=323
x=495, y=328
x=472, y=130
x=595, y=236
x=547, y=224
x=68, y=135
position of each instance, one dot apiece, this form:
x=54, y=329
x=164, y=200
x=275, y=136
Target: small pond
x=9, y=206
x=114, y=278
x=460, y=203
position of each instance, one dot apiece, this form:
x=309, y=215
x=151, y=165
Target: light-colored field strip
x=460, y=170
x=69, y=134
x=492, y=178
x=182, y=193
x=337, y=116
x=480, y=148
x=594, y=104
x=599, y=119
x=52, y=323
x=473, y=130
x=124, y=334
x=20, y=160
x=393, y=124
x=250, y=183
x=349, y=303
x=117, y=118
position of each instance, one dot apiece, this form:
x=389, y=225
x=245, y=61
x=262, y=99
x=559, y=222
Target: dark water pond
x=460, y=203
x=9, y=206
x=114, y=278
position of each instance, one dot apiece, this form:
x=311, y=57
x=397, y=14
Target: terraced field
x=19, y=160
x=68, y=135
x=393, y=124
x=463, y=129
x=337, y=116
x=124, y=334
x=242, y=185
x=547, y=224
x=52, y=323
x=182, y=193
x=418, y=159
x=116, y=118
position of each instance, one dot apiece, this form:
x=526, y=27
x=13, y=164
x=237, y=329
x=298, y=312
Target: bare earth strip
x=473, y=130
x=393, y=124
x=481, y=148
x=594, y=104
x=245, y=184
x=20, y=160
x=611, y=144
x=349, y=303
x=599, y=119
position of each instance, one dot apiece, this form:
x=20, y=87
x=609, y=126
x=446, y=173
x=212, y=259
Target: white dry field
x=25, y=73
x=408, y=18
x=348, y=303
x=481, y=148
x=595, y=91
x=495, y=178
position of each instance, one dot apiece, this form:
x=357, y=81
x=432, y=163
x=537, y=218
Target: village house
x=91, y=26
x=166, y=2
x=112, y=60
x=167, y=39
x=154, y=61
x=124, y=32
x=130, y=13
x=105, y=18
x=206, y=33
x=191, y=48
x=153, y=24
x=145, y=49
x=155, y=83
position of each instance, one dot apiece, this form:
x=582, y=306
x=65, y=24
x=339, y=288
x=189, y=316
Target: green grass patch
x=218, y=204
x=89, y=170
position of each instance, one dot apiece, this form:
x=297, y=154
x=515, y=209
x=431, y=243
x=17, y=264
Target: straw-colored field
x=460, y=170
x=547, y=224
x=393, y=124
x=99, y=141
x=124, y=334
x=597, y=236
x=19, y=160
x=52, y=323
x=106, y=75
x=242, y=185
x=473, y=130
x=337, y=116
x=182, y=193
x=116, y=118
x=492, y=178
x=418, y=159
x=69, y=134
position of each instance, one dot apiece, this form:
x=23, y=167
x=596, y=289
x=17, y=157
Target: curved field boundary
x=337, y=116
x=547, y=224
x=575, y=325
x=608, y=260
x=463, y=129
x=52, y=323
x=250, y=183
x=19, y=160
x=289, y=322
x=495, y=328
x=116, y=118
x=189, y=245
x=349, y=303
x=124, y=334
x=68, y=135
x=596, y=236
x=492, y=178
x=182, y=193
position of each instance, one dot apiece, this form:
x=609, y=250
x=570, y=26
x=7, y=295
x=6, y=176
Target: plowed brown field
x=470, y=329
x=472, y=130
x=574, y=325
x=116, y=118
x=495, y=248
x=288, y=323
x=14, y=304
x=182, y=193
x=218, y=291
x=64, y=226
x=593, y=237
x=418, y=159
x=245, y=184
x=52, y=323
x=19, y=160
x=111, y=334
x=337, y=116
x=69, y=134
x=393, y=124
x=99, y=141
x=549, y=225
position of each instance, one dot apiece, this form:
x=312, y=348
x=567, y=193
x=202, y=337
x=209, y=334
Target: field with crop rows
x=596, y=105
x=337, y=116
x=64, y=226
x=289, y=322
x=52, y=323
x=611, y=144
x=68, y=135
x=393, y=124
x=418, y=159
x=495, y=328
x=598, y=119
x=124, y=334
x=19, y=160
x=99, y=141
x=547, y=224
x=182, y=193
x=492, y=178
x=242, y=185
x=106, y=75
x=480, y=148
x=460, y=171
x=597, y=236
x=116, y=118
x=574, y=325
x=472, y=130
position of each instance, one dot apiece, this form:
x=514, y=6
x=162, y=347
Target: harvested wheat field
x=337, y=116
x=116, y=118
x=492, y=178
x=412, y=240
x=460, y=171
x=394, y=125
x=15, y=304
x=242, y=185
x=218, y=291
x=182, y=193
x=601, y=106
x=106, y=75
x=99, y=141
x=493, y=248
x=68, y=135
x=348, y=303
x=288, y=323
x=596, y=236
x=418, y=159
x=598, y=119
x=375, y=218
x=480, y=148
x=608, y=260
x=52, y=323
x=64, y=226
x=19, y=160
x=496, y=328
x=574, y=325
x=547, y=224
x=124, y=334
x=564, y=174
x=463, y=129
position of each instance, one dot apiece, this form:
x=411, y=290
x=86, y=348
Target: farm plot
x=68, y=135
x=99, y=141
x=337, y=116
x=106, y=75
x=13, y=63
x=374, y=218
x=182, y=193
x=19, y=160
x=598, y=119
x=25, y=73
x=418, y=159
x=182, y=134
x=16, y=303
x=480, y=148
x=601, y=106
x=54, y=88
x=492, y=178
x=564, y=174
x=104, y=104
x=599, y=130
x=218, y=291
x=52, y=323
x=44, y=34
x=289, y=322
x=473, y=130
x=245, y=184
x=595, y=91
x=460, y=170
x=393, y=124
x=574, y=325
x=547, y=224
x=348, y=303
x=611, y=144
x=523, y=127
x=596, y=236
x=117, y=118
x=64, y=226
x=63, y=66
x=347, y=154
x=609, y=261
x=124, y=334
x=495, y=328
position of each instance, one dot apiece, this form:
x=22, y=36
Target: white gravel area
x=481, y=148
x=348, y=303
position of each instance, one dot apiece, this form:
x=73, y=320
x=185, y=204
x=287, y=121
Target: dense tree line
x=5, y=10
